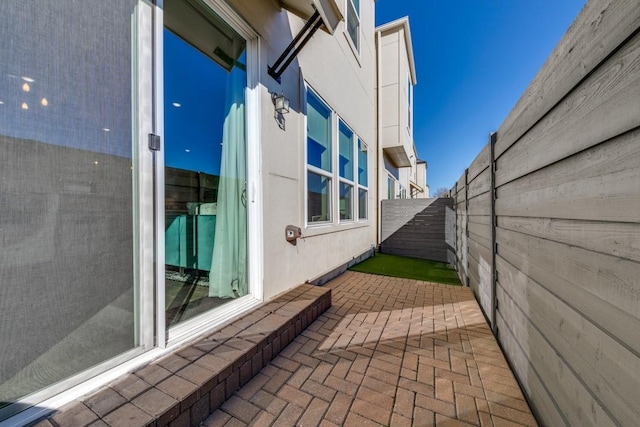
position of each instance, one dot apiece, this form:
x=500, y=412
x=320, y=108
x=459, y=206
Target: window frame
x=355, y=44
x=186, y=330
x=360, y=186
x=322, y=173
x=343, y=180
x=315, y=169
x=337, y=181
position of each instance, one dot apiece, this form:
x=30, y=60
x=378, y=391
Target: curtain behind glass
x=228, y=277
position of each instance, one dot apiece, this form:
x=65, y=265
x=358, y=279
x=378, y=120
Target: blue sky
x=474, y=59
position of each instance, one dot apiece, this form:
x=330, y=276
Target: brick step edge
x=184, y=388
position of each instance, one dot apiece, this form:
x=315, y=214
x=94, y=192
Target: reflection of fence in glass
x=191, y=208
x=67, y=263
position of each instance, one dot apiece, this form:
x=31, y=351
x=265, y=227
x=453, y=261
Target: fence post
x=466, y=225
x=455, y=206
x=493, y=137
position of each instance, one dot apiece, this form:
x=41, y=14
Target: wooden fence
x=416, y=228
x=548, y=225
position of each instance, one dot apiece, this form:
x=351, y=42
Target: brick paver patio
x=388, y=352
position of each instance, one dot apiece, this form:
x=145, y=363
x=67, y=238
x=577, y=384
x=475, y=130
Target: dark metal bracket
x=154, y=142
x=295, y=47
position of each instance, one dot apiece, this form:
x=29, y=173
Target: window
x=345, y=164
x=363, y=181
x=318, y=160
x=346, y=201
x=353, y=22
x=349, y=180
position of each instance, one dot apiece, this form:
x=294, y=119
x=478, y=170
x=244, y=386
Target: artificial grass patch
x=408, y=268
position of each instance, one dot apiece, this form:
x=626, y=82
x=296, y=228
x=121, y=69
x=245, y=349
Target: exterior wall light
x=280, y=102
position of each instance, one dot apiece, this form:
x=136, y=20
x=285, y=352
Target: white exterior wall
x=396, y=78
x=283, y=170
x=404, y=76
x=421, y=175
x=405, y=178
x=389, y=89
x=395, y=129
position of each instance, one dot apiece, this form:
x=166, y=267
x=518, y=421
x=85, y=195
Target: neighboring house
x=419, y=187
x=402, y=175
x=154, y=183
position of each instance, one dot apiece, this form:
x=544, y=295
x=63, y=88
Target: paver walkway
x=389, y=351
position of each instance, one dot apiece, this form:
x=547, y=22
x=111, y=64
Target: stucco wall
x=351, y=96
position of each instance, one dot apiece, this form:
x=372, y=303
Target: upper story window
x=353, y=22
x=403, y=192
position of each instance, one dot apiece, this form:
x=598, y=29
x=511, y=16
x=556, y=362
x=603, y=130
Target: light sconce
x=280, y=102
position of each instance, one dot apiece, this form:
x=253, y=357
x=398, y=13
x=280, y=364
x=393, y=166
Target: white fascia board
x=330, y=13
x=329, y=10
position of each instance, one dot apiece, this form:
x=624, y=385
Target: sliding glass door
x=83, y=195
x=68, y=287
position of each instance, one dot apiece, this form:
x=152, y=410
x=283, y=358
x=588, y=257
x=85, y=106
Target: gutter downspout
x=378, y=141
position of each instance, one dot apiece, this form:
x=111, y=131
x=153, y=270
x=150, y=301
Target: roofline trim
x=404, y=23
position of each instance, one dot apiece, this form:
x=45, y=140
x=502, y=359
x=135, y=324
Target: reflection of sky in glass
x=77, y=74
x=362, y=164
x=345, y=165
x=317, y=183
x=194, y=95
x=318, y=133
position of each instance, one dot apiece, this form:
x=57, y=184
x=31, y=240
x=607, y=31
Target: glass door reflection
x=205, y=161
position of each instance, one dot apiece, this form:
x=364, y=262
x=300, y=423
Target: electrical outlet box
x=292, y=234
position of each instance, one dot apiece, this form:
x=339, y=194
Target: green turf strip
x=408, y=268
